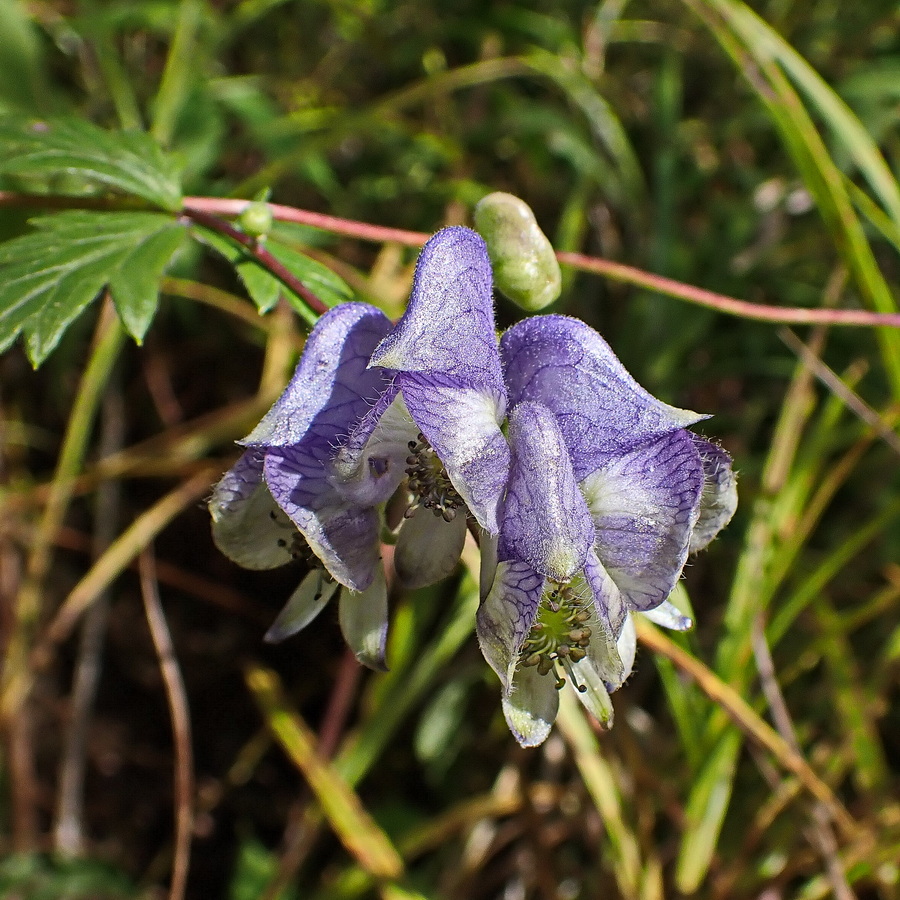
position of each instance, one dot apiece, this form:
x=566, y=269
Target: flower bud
x=524, y=264
x=256, y=219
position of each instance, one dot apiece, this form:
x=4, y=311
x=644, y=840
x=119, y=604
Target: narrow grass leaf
x=819, y=171
x=848, y=131
x=265, y=289
x=705, y=813
x=357, y=830
x=602, y=784
x=855, y=713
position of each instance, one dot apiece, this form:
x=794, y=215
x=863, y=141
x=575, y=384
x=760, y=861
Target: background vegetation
x=749, y=149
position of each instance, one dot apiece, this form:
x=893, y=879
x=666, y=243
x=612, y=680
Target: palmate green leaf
x=49, y=276
x=130, y=162
x=265, y=289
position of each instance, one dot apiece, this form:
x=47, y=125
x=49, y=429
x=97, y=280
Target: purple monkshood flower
x=375, y=412
x=607, y=495
x=588, y=504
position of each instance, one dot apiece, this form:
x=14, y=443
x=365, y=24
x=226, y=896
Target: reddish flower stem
x=199, y=208
x=281, y=272
x=722, y=303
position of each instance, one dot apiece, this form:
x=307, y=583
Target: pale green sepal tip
x=363, y=616
x=592, y=692
x=524, y=263
x=310, y=598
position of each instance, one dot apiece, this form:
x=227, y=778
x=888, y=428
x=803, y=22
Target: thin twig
x=68, y=833
x=120, y=553
x=181, y=725
x=748, y=720
x=820, y=834
x=837, y=386
x=262, y=256
x=303, y=829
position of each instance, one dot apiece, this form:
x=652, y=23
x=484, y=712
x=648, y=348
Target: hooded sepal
x=444, y=350
x=332, y=387
x=448, y=327
x=601, y=410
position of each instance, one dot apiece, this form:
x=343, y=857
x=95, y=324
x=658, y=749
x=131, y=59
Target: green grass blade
x=358, y=831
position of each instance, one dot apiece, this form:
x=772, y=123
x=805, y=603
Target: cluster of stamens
x=295, y=545
x=429, y=483
x=560, y=635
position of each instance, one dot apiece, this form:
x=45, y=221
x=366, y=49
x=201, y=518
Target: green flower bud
x=525, y=266
x=256, y=219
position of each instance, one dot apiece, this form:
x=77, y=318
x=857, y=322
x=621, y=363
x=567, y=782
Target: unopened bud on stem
x=525, y=266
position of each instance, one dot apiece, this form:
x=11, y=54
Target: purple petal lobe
x=507, y=615
x=310, y=598
x=544, y=518
x=531, y=706
x=428, y=548
x=344, y=536
x=247, y=525
x=644, y=506
x=600, y=408
x=718, y=501
x=448, y=327
x=462, y=425
x=364, y=621
x=332, y=388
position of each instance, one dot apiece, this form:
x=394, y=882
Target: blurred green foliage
x=751, y=149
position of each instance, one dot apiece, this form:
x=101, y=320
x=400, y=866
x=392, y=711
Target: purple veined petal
x=601, y=410
x=507, y=615
x=304, y=605
x=247, y=525
x=448, y=327
x=345, y=537
x=544, y=519
x=644, y=506
x=530, y=707
x=332, y=388
x=364, y=621
x=667, y=615
x=719, y=499
x=428, y=548
x=370, y=466
x=462, y=424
